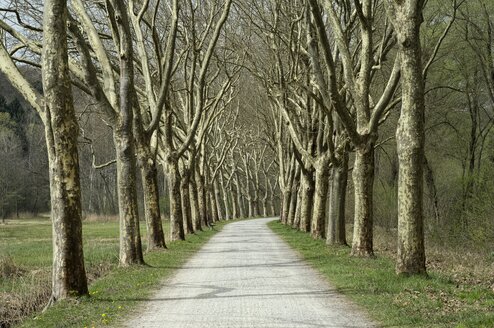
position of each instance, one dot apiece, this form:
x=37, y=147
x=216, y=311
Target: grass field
x=25, y=252
x=395, y=301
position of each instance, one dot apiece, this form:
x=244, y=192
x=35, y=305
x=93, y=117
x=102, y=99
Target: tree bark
x=202, y=199
x=176, y=216
x=410, y=139
x=61, y=131
x=149, y=176
x=293, y=200
x=320, y=198
x=185, y=201
x=194, y=200
x=297, y=206
x=233, y=198
x=336, y=234
x=307, y=189
x=217, y=199
x=251, y=206
x=226, y=205
x=130, y=237
x=152, y=212
x=272, y=208
x=212, y=202
x=363, y=182
x=285, y=204
x=238, y=191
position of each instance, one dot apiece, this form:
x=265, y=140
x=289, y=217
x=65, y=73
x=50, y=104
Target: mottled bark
x=202, y=199
x=149, y=177
x=225, y=198
x=293, y=200
x=152, y=213
x=285, y=204
x=363, y=181
x=61, y=131
x=272, y=208
x=307, y=187
x=233, y=199
x=336, y=234
x=320, y=198
x=176, y=216
x=212, y=217
x=251, y=206
x=217, y=198
x=130, y=238
x=185, y=201
x=410, y=138
x=194, y=201
x=297, y=207
x=240, y=205
x=213, y=204
x=265, y=207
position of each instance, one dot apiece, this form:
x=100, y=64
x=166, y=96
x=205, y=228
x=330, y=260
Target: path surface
x=246, y=276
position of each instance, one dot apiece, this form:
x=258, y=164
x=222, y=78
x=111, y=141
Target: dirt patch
x=18, y=304
x=32, y=291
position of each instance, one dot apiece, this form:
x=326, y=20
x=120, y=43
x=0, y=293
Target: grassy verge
x=114, y=291
x=391, y=300
x=26, y=259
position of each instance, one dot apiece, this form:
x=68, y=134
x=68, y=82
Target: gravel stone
x=246, y=276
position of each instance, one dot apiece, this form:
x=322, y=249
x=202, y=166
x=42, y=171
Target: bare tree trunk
x=363, y=181
x=233, y=198
x=149, y=177
x=272, y=208
x=130, y=237
x=152, y=212
x=225, y=198
x=185, y=201
x=410, y=139
x=213, y=204
x=251, y=207
x=61, y=130
x=285, y=205
x=239, y=198
x=217, y=200
x=176, y=216
x=195, y=200
x=336, y=234
x=307, y=188
x=202, y=199
x=320, y=198
x=293, y=200
x=265, y=207
x=297, y=206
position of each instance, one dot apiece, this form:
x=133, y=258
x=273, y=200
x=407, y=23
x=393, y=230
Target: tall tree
x=61, y=131
x=406, y=17
x=351, y=55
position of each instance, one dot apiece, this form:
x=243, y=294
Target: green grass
x=391, y=300
x=29, y=243
x=113, y=295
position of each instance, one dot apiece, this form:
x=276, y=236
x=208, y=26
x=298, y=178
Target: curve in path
x=246, y=276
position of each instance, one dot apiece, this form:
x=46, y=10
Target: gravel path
x=246, y=276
